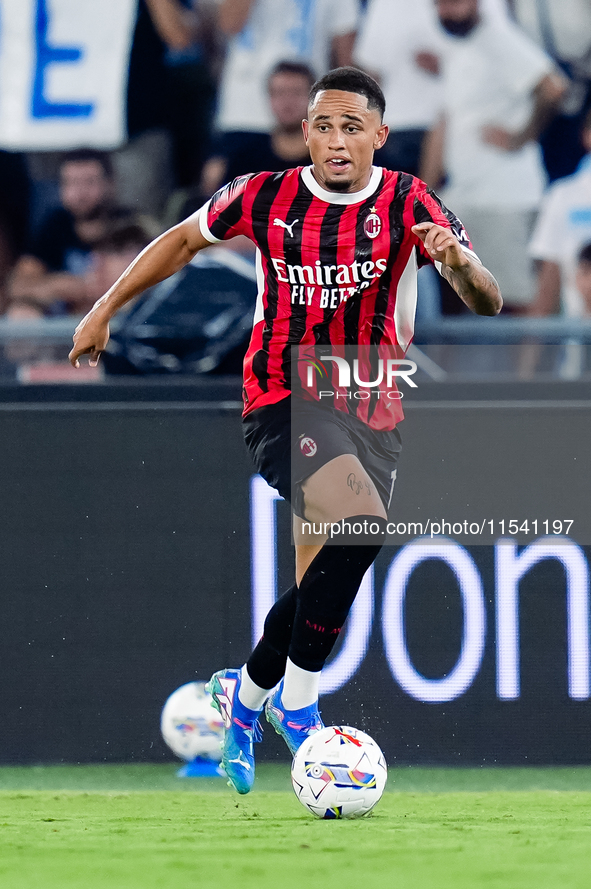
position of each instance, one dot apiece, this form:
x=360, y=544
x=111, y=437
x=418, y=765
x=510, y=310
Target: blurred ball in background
x=190, y=724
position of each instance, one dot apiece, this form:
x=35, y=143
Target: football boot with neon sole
x=294, y=726
x=241, y=729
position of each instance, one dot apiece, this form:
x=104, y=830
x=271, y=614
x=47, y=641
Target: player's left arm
x=473, y=283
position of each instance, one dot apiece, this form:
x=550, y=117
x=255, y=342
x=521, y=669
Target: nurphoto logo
x=358, y=378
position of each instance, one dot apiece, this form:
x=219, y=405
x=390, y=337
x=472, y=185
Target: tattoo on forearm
x=358, y=485
x=474, y=284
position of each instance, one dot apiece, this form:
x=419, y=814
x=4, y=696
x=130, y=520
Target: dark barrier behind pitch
x=126, y=571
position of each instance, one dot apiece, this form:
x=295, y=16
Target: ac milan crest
x=308, y=446
x=373, y=224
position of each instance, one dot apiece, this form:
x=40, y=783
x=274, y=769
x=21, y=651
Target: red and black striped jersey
x=334, y=270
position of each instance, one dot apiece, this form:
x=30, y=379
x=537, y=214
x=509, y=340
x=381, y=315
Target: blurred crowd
x=488, y=101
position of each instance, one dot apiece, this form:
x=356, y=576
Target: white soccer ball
x=190, y=724
x=339, y=772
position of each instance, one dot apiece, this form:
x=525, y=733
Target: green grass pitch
x=140, y=827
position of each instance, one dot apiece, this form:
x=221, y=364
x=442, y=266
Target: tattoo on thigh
x=358, y=486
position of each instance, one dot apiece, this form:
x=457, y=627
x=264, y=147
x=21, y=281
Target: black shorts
x=291, y=440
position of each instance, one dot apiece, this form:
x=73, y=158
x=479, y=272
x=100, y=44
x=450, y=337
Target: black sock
x=266, y=665
x=329, y=587
x=305, y=623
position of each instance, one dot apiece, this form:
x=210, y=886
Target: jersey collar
x=335, y=197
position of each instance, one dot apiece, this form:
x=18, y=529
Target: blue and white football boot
x=241, y=729
x=294, y=726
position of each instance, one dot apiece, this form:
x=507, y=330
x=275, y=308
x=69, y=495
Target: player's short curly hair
x=352, y=80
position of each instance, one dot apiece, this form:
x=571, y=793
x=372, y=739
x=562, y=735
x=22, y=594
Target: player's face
x=342, y=134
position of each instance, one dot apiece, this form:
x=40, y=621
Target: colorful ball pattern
x=339, y=772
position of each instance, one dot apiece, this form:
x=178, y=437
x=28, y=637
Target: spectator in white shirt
x=562, y=228
x=500, y=90
x=399, y=43
x=264, y=32
x=563, y=29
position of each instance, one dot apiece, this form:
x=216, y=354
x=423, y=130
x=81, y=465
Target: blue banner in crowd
x=63, y=72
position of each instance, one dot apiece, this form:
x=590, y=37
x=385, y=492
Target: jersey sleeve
x=428, y=207
x=223, y=216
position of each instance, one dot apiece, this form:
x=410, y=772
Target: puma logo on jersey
x=283, y=224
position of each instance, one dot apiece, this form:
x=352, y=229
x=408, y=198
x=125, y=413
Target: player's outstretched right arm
x=160, y=259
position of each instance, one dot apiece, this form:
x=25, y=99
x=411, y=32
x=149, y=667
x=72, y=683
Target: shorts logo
x=308, y=446
x=373, y=224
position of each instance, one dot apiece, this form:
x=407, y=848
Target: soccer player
x=338, y=247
